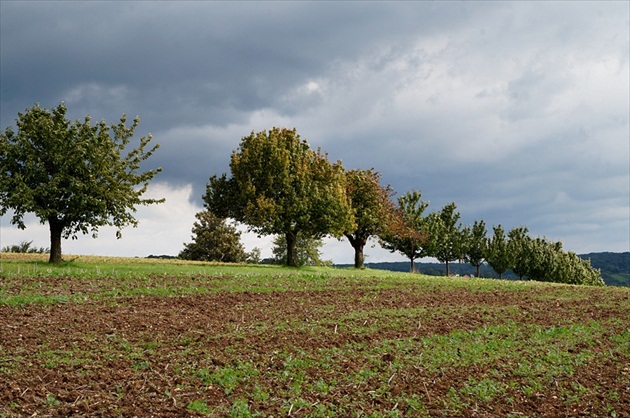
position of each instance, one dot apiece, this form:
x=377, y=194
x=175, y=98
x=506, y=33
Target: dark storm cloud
x=185, y=62
x=517, y=111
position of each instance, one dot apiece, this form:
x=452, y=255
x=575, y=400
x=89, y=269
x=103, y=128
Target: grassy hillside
x=134, y=337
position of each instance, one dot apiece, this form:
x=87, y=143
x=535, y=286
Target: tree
x=254, y=256
x=213, y=240
x=280, y=186
x=476, y=244
x=447, y=239
x=307, y=251
x=581, y=271
x=372, y=207
x=72, y=175
x=498, y=254
x=548, y=262
x=407, y=230
x=24, y=247
x=541, y=254
x=518, y=244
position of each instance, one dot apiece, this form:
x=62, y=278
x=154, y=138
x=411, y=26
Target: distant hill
x=615, y=268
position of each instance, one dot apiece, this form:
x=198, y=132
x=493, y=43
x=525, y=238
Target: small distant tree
x=447, y=238
x=372, y=207
x=72, y=175
x=307, y=251
x=24, y=247
x=280, y=186
x=254, y=256
x=519, y=247
x=475, y=239
x=407, y=230
x=213, y=240
x=498, y=253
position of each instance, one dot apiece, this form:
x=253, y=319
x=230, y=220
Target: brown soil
x=142, y=356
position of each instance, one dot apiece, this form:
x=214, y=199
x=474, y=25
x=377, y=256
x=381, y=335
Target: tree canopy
x=407, y=232
x=307, y=251
x=214, y=240
x=78, y=176
x=278, y=185
x=447, y=237
x=475, y=237
x=498, y=254
x=72, y=175
x=372, y=208
x=518, y=245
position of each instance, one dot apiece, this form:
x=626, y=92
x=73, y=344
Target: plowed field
x=217, y=346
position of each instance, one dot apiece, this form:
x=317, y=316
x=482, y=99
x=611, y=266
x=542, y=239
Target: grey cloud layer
x=517, y=111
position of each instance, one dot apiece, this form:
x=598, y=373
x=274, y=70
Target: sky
x=516, y=111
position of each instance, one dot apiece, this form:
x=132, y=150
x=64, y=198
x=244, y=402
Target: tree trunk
x=478, y=274
x=448, y=272
x=412, y=248
x=358, y=257
x=56, y=228
x=291, y=248
x=358, y=244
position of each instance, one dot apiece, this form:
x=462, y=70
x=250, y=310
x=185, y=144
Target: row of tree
x=24, y=247
x=279, y=185
x=538, y=259
x=78, y=176
x=440, y=235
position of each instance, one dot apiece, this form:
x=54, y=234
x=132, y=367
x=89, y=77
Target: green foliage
x=213, y=240
x=24, y=247
x=407, y=232
x=518, y=244
x=475, y=244
x=240, y=408
x=280, y=186
x=228, y=377
x=51, y=400
x=448, y=240
x=254, y=256
x=307, y=251
x=542, y=260
x=372, y=208
x=538, y=259
x=198, y=406
x=499, y=255
x=572, y=269
x=72, y=175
